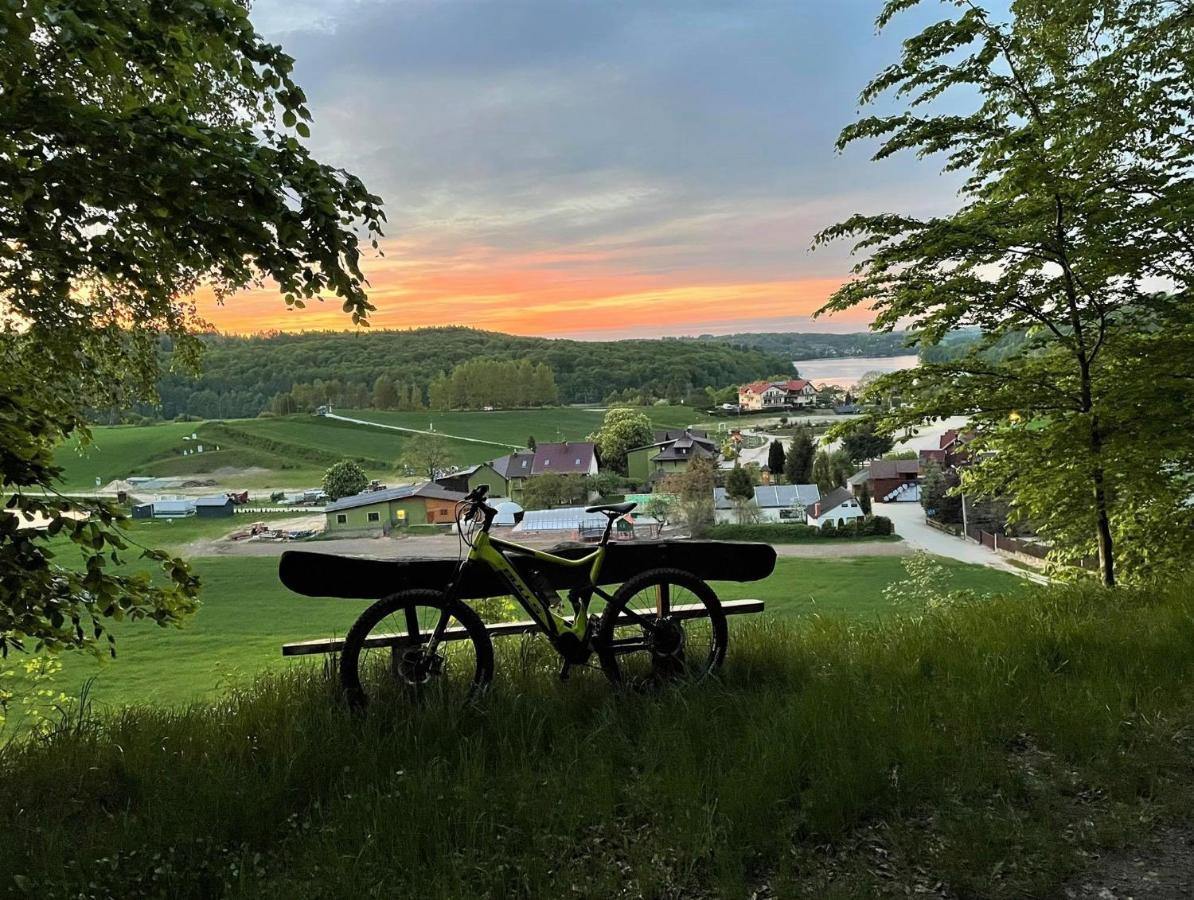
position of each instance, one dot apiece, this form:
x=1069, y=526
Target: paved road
x=909, y=521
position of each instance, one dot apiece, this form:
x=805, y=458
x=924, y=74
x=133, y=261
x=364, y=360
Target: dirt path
x=1161, y=869
x=454, y=437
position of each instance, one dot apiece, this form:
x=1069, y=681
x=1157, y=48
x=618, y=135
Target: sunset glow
x=557, y=294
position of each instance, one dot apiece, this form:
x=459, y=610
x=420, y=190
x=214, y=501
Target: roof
x=759, y=387
x=662, y=437
x=773, y=496
x=428, y=491
x=676, y=450
x=213, y=501
x=514, y=465
x=793, y=384
x=893, y=468
x=862, y=476
x=570, y=518
x=168, y=505
x=563, y=457
x=834, y=499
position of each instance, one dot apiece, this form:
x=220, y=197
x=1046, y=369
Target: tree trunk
x=1102, y=519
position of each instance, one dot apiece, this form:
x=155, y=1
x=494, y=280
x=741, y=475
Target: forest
x=795, y=345
x=245, y=376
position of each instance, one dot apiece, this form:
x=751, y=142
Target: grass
x=247, y=615
x=983, y=748
x=297, y=449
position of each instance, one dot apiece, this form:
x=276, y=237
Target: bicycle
x=641, y=635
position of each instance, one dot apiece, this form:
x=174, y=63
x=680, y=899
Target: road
x=909, y=521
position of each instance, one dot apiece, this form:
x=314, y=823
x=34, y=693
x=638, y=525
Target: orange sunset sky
x=595, y=170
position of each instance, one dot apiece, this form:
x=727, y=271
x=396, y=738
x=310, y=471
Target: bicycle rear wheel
x=385, y=656
x=661, y=625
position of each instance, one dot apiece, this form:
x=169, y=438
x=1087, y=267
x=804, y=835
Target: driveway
x=909, y=521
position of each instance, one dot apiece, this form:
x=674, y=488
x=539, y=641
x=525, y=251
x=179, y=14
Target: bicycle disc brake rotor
x=666, y=638
x=416, y=667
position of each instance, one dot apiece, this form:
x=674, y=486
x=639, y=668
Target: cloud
x=683, y=141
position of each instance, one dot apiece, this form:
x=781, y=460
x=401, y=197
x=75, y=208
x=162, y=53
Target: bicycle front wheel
x=386, y=659
x=661, y=625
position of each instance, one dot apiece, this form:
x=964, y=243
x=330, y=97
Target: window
x=374, y=517
x=546, y=462
x=341, y=519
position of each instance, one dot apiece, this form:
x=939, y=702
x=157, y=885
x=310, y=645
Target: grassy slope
x=981, y=748
x=247, y=615
x=119, y=451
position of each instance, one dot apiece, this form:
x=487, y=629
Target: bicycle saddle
x=612, y=509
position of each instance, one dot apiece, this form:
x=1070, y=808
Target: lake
x=845, y=371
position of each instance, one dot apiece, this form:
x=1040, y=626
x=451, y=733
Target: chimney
x=817, y=510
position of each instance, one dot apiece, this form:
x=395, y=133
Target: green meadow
x=247, y=615
x=293, y=451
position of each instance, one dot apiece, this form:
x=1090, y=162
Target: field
x=247, y=615
x=987, y=749
x=294, y=451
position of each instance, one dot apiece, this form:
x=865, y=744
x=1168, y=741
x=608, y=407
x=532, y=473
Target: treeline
x=796, y=345
x=245, y=376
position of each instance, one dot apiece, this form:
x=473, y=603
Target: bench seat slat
x=498, y=629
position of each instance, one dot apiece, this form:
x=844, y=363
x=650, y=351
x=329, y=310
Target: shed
x=143, y=511
x=214, y=507
x=173, y=509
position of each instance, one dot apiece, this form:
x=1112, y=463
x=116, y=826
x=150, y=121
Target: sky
x=603, y=169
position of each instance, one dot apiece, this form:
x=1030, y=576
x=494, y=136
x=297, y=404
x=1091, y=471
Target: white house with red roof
x=777, y=394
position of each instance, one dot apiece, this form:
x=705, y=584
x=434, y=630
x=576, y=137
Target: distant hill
x=796, y=345
x=242, y=375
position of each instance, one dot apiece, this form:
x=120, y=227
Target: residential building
x=837, y=507
x=671, y=452
x=378, y=512
x=952, y=450
x=777, y=394
x=507, y=475
x=785, y=503
x=888, y=480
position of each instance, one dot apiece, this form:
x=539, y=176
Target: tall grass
x=981, y=745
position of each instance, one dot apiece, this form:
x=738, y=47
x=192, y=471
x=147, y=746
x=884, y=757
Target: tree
x=862, y=442
x=1073, y=125
x=798, y=466
x=554, y=489
x=739, y=485
x=693, y=490
x=531, y=442
x=622, y=429
x=141, y=157
x=776, y=459
x=385, y=395
x=659, y=507
x=344, y=479
x=831, y=470
x=427, y=454
x=864, y=499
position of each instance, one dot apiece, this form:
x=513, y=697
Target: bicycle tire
x=610, y=652
x=477, y=681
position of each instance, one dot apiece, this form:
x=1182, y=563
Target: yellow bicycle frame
x=488, y=551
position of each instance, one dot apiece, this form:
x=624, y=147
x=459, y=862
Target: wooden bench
x=498, y=629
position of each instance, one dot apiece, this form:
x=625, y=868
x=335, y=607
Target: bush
x=771, y=533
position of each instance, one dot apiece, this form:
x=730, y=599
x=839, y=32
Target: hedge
x=875, y=526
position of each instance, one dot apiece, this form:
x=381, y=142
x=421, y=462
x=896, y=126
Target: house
x=380, y=511
x=951, y=451
x=465, y=480
x=671, y=452
x=214, y=507
x=565, y=458
x=777, y=394
x=837, y=507
x=507, y=475
x=784, y=503
x=888, y=480
x=762, y=395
